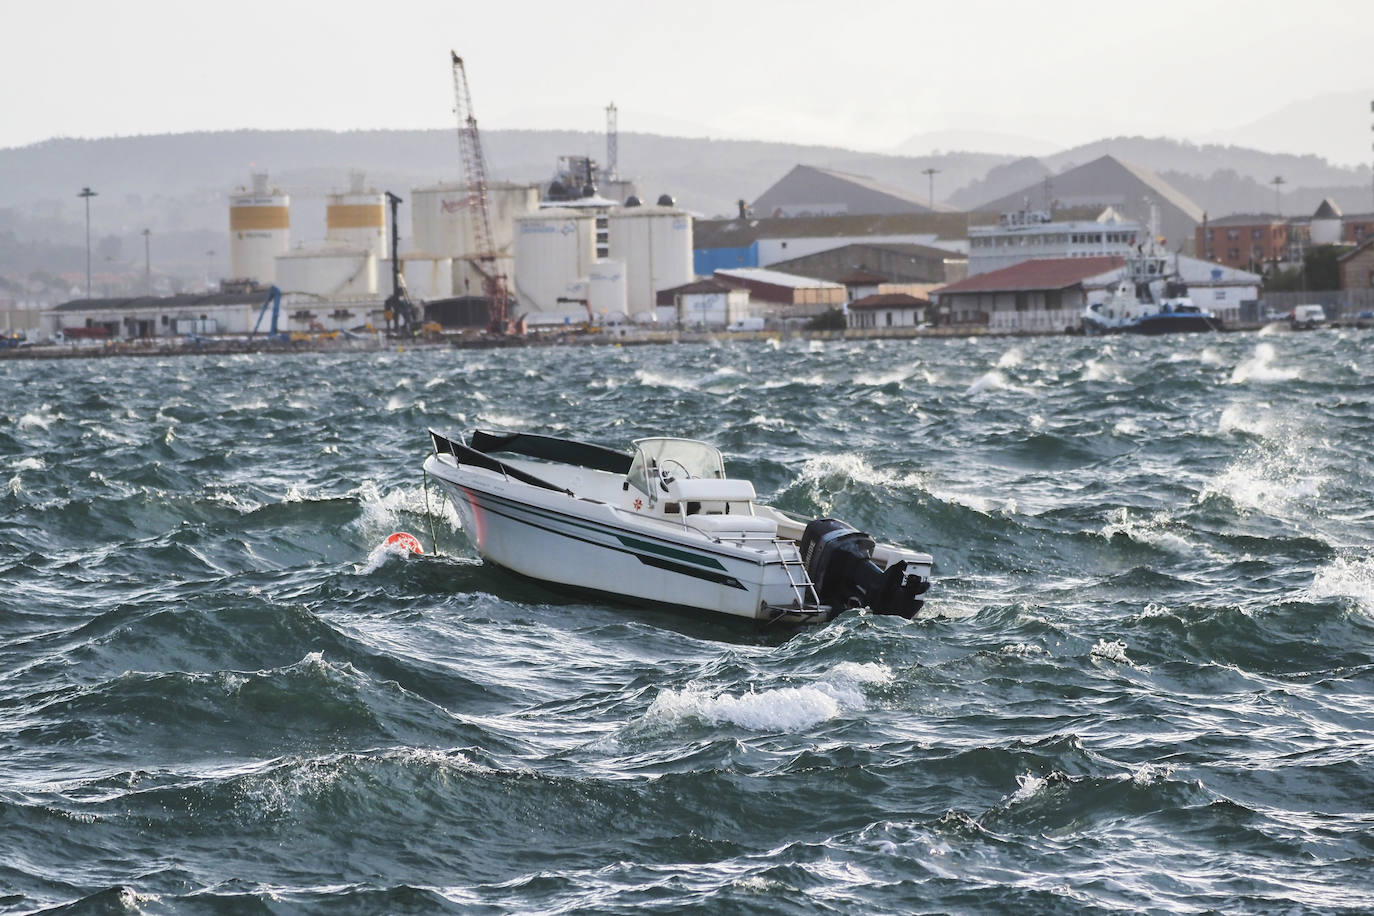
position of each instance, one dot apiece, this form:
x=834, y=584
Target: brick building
x=1357, y=267
x=1357, y=228
x=1244, y=241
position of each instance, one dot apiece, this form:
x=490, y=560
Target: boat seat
x=711, y=490
x=726, y=527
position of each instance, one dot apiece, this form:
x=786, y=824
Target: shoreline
x=159, y=347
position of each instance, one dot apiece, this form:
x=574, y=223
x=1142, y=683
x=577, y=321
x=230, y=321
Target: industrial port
x=583, y=254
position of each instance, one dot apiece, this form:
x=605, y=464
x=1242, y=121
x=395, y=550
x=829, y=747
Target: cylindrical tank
x=427, y=277
x=333, y=271
x=442, y=223
x=655, y=244
x=259, y=230
x=553, y=248
x=357, y=218
x=606, y=289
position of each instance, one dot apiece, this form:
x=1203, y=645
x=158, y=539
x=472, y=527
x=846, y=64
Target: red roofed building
x=1039, y=295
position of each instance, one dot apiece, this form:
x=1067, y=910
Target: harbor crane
x=274, y=303
x=475, y=174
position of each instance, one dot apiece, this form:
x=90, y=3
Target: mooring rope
x=433, y=539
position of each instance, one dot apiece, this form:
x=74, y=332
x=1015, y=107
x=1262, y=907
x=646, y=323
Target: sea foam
x=778, y=709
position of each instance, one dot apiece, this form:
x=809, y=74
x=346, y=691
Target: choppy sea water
x=1143, y=681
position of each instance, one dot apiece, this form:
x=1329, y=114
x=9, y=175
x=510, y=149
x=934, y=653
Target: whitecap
x=1146, y=774
x=880, y=379
x=785, y=709
x=1098, y=371
x=1114, y=651
x=1250, y=419
x=502, y=420
x=1346, y=578
x=1127, y=426
x=991, y=380
x=1027, y=784
x=1260, y=368
x=653, y=379
x=39, y=419
x=1153, y=530
x=1269, y=484
x=856, y=469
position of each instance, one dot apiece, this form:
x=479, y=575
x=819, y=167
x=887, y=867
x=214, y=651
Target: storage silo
x=606, y=289
x=655, y=243
x=357, y=218
x=442, y=223
x=330, y=272
x=427, y=277
x=259, y=230
x=553, y=249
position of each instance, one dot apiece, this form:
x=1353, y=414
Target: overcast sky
x=865, y=74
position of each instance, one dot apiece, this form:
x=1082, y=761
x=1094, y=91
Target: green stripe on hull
x=672, y=553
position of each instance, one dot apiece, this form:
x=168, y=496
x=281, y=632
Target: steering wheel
x=663, y=466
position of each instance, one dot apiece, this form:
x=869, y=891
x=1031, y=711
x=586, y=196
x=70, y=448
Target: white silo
x=329, y=272
x=259, y=230
x=443, y=224
x=427, y=277
x=606, y=289
x=655, y=243
x=357, y=218
x=553, y=249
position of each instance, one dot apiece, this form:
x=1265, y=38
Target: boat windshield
x=696, y=459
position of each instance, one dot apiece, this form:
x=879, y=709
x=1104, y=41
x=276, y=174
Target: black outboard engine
x=839, y=560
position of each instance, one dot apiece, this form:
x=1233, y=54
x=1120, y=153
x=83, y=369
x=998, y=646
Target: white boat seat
x=725, y=527
x=708, y=490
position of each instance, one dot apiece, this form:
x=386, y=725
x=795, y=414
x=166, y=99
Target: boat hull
x=1174, y=324
x=1156, y=325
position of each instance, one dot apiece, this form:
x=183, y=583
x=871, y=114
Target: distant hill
x=177, y=185
x=1219, y=179
x=705, y=175
x=1160, y=154
x=1334, y=123
x=987, y=141
x=1000, y=181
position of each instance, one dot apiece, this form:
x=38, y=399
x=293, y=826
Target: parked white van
x=1307, y=317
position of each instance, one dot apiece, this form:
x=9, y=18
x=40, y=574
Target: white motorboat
x=663, y=525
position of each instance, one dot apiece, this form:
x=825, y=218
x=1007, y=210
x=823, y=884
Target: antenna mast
x=612, y=143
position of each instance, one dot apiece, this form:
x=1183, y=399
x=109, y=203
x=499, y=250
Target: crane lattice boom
x=475, y=175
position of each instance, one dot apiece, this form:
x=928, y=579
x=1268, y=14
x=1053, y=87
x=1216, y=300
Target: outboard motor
x=838, y=558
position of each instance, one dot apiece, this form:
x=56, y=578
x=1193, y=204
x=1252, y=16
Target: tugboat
x=1150, y=299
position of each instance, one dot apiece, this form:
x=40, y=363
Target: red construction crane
x=475, y=174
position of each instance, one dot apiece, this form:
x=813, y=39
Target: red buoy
x=404, y=541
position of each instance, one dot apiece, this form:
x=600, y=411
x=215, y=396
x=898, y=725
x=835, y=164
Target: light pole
x=1277, y=183
x=930, y=174
x=147, y=263
x=87, y=193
